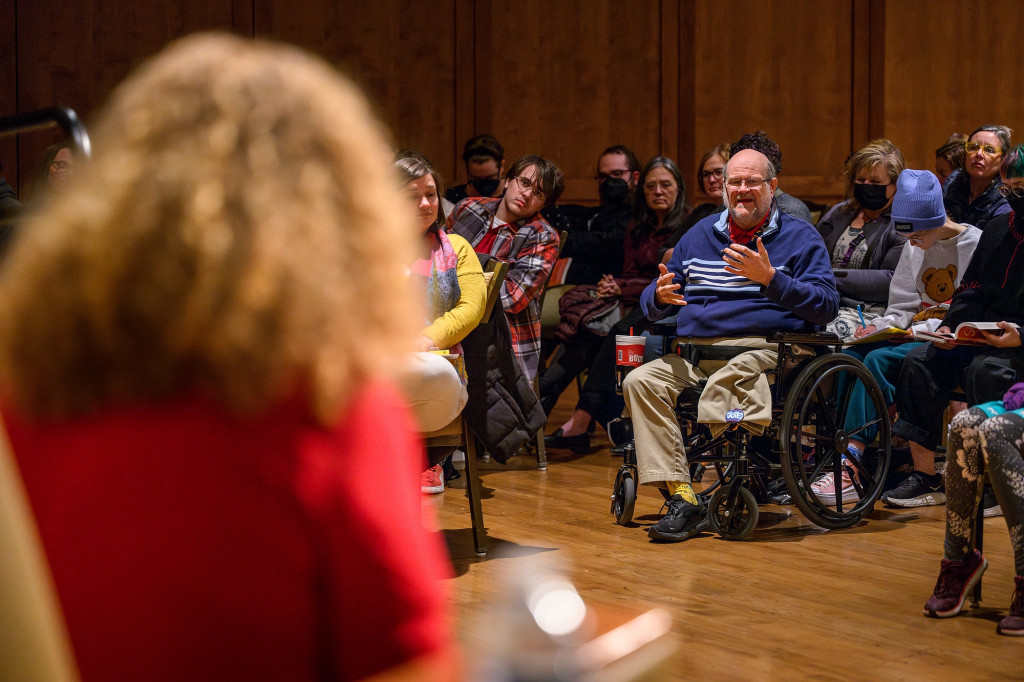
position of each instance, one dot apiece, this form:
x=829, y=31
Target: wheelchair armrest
x=815, y=338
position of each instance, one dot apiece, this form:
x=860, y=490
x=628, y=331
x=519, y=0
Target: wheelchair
x=808, y=436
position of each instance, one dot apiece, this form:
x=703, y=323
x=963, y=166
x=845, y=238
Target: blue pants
x=883, y=360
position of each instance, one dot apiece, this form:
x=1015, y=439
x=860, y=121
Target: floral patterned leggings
x=979, y=442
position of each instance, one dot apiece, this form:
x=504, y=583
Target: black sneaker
x=989, y=504
x=918, y=490
x=681, y=521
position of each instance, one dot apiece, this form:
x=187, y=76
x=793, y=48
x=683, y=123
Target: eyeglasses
x=753, y=184
x=718, y=173
x=867, y=181
x=665, y=185
x=60, y=167
x=528, y=185
x=988, y=149
x=617, y=174
x=1011, y=191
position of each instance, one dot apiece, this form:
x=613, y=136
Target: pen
x=861, y=313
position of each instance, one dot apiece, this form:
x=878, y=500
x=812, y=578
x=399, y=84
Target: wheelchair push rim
x=813, y=438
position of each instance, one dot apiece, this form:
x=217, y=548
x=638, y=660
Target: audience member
x=10, y=208
x=950, y=157
x=985, y=439
x=594, y=242
x=201, y=411
x=863, y=245
x=749, y=271
x=760, y=141
x=511, y=228
x=710, y=172
x=485, y=160
x=933, y=261
x=592, y=316
x=971, y=194
x=454, y=286
x=53, y=171
x=992, y=290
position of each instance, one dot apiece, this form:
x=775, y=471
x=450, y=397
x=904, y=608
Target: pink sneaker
x=432, y=480
x=825, y=488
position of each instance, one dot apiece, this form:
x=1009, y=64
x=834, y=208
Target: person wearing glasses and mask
x=861, y=240
x=746, y=272
x=992, y=290
x=595, y=233
x=970, y=194
x=510, y=228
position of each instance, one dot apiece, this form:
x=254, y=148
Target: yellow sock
x=684, y=490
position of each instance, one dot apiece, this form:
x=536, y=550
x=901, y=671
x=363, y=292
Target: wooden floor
x=792, y=601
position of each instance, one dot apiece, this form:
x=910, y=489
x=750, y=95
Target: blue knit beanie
x=918, y=202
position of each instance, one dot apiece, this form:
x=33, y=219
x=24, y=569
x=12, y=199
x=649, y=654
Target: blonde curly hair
x=239, y=232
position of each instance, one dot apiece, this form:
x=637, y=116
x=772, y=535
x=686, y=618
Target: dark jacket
x=869, y=283
x=503, y=411
x=992, y=288
x=956, y=195
x=594, y=241
x=10, y=209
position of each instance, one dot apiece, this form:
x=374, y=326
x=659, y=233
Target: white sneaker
x=825, y=489
x=459, y=460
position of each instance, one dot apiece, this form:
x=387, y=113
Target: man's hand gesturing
x=667, y=292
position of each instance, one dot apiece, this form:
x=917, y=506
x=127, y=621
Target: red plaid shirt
x=527, y=274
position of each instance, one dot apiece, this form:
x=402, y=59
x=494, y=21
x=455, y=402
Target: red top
x=189, y=544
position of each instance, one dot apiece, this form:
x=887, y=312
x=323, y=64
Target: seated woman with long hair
x=453, y=280
x=659, y=209
x=196, y=357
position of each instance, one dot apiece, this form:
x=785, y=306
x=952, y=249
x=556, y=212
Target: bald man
x=746, y=272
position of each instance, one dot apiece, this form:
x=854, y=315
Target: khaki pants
x=651, y=392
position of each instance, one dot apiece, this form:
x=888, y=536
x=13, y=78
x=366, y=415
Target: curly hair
x=239, y=233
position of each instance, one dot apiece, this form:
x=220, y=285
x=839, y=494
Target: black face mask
x=871, y=197
x=485, y=186
x=1017, y=206
x=614, y=191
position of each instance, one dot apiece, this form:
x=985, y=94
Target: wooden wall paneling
x=8, y=90
x=242, y=18
x=670, y=79
x=565, y=80
x=464, y=94
x=688, y=153
x=402, y=53
x=786, y=69
x=74, y=53
x=951, y=65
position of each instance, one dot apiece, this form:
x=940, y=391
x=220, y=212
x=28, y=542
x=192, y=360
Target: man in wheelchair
x=746, y=272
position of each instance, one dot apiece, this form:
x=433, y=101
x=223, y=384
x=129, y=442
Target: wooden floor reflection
x=792, y=601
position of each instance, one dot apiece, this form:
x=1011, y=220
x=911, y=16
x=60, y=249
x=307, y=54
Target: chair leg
x=473, y=492
x=979, y=537
x=542, y=453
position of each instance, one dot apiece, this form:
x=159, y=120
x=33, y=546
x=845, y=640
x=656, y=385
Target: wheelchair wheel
x=624, y=496
x=815, y=430
x=735, y=519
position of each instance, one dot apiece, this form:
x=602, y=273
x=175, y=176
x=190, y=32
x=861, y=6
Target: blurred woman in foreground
x=200, y=410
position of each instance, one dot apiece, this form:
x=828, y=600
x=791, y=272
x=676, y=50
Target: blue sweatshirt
x=801, y=296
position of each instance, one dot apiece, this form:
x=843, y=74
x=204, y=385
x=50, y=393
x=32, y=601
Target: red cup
x=629, y=353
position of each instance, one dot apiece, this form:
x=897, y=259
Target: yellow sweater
x=454, y=325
